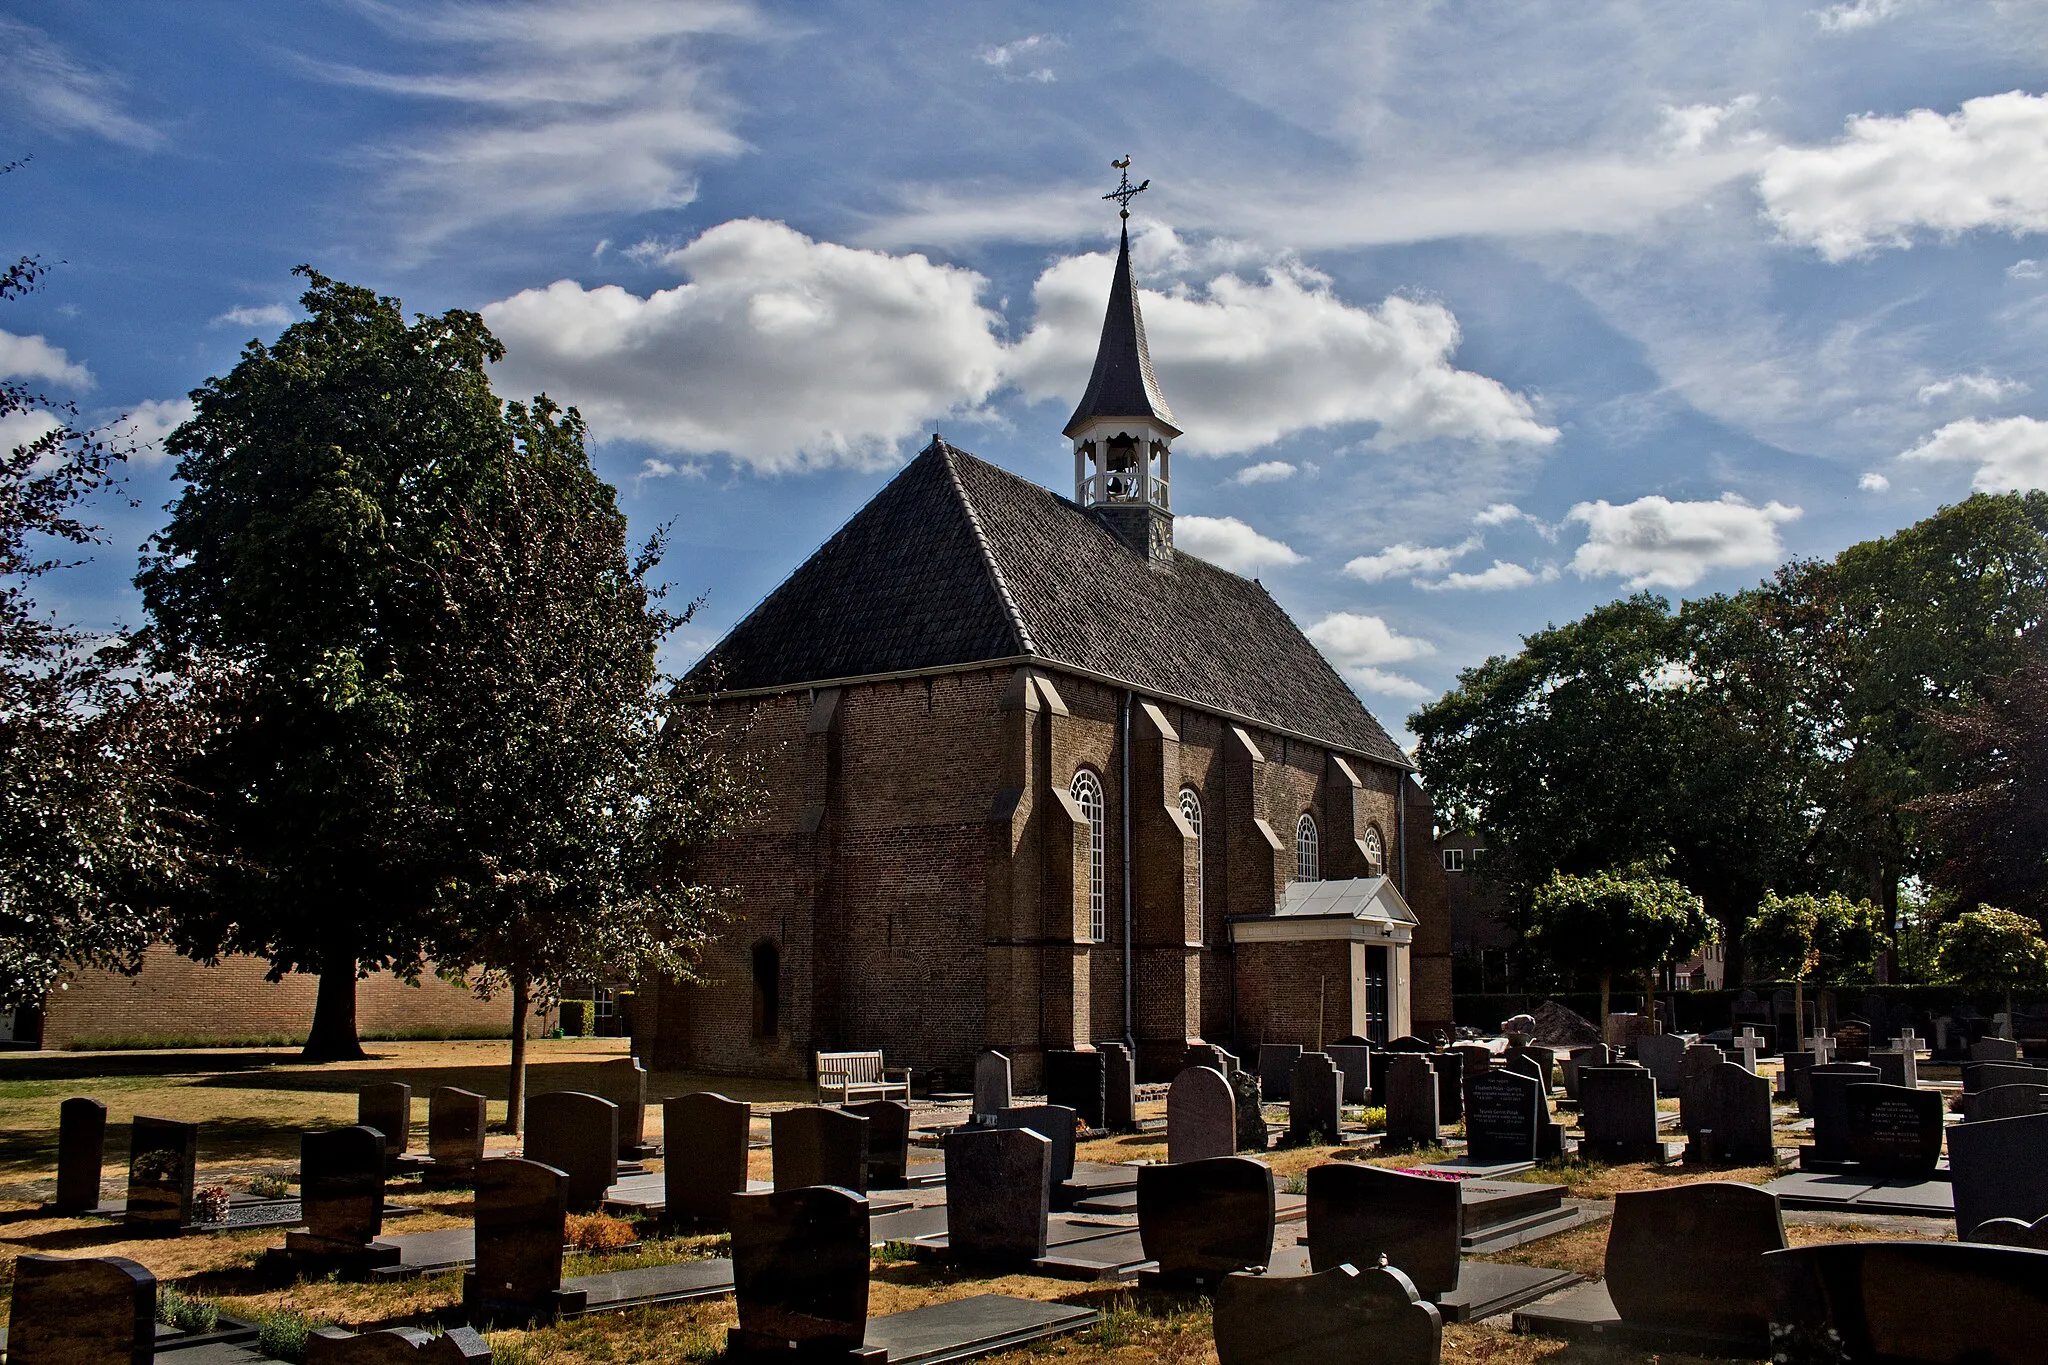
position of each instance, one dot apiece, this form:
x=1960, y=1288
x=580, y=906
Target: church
x=1036, y=779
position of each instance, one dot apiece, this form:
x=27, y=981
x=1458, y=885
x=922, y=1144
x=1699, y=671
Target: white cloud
x=1981, y=385
x=1405, y=560
x=256, y=315
x=1874, y=482
x=1887, y=179
x=2026, y=268
x=1358, y=644
x=1498, y=514
x=1847, y=18
x=143, y=430
x=24, y=427
x=2011, y=453
x=785, y=352
x=33, y=357
x=1269, y=471
x=1230, y=543
x=1654, y=542
x=55, y=91
x=1246, y=363
x=670, y=469
x=1502, y=575
x=1021, y=59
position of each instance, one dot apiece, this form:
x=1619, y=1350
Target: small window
x=1375, y=850
x=1308, y=865
x=1454, y=860
x=1087, y=791
x=767, y=990
x=1191, y=811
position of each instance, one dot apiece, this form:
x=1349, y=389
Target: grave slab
x=1342, y=1314
x=969, y=1328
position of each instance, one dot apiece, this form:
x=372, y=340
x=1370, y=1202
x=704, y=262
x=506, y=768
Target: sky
x=1476, y=315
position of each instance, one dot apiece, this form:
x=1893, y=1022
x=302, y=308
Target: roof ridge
x=948, y=452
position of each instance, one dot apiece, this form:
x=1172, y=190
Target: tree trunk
x=1606, y=996
x=2010, y=1031
x=515, y=1089
x=333, y=1035
x=1799, y=1015
x=1650, y=1001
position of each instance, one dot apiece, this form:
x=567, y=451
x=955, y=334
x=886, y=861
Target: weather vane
x=1125, y=189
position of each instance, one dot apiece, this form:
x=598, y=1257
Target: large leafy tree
x=324, y=476
x=1992, y=831
x=1987, y=949
x=1827, y=939
x=1616, y=923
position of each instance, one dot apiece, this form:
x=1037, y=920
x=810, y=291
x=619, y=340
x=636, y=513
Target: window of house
x=1454, y=860
x=767, y=989
x=1307, y=859
x=1191, y=811
x=1375, y=850
x=1088, y=796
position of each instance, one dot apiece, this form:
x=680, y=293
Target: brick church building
x=1036, y=779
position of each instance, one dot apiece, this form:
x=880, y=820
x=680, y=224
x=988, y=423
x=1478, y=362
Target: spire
x=1123, y=385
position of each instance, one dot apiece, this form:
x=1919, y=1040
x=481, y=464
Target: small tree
x=1826, y=939
x=1987, y=949
x=1617, y=924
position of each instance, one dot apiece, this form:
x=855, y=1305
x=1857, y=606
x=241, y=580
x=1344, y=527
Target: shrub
x=281, y=1333
x=187, y=1314
x=599, y=1232
x=269, y=1186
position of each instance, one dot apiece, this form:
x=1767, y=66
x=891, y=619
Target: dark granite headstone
x=1664, y=1055
x=1450, y=1085
x=1474, y=1059
x=1077, y=1079
x=387, y=1107
x=1544, y=1059
x=1689, y=1259
x=997, y=1181
x=1734, y=1126
x=1357, y=1317
x=1252, y=1133
x=341, y=1190
x=799, y=1273
x=814, y=1145
x=1408, y=1042
x=163, y=1156
x=1503, y=1111
x=1897, y=1068
x=1999, y=1169
x=81, y=1152
x=455, y=1130
x=1831, y=1106
x=1201, y=1220
x=100, y=1310
x=888, y=1142
x=1984, y=1075
x=1923, y=1303
x=1852, y=1041
x=1697, y=1064
x=1276, y=1069
x=1618, y=1114
x=1522, y=1064
x=396, y=1346
x=1201, y=1116
x=705, y=1135
x=521, y=1209
x=1119, y=1088
x=1994, y=1050
x=1359, y=1213
x=1356, y=1063
x=1316, y=1113
x=1211, y=1056
x=577, y=1134
x=1411, y=1096
x=991, y=1084
x=2013, y=1232
x=1893, y=1131
x=1792, y=1068
x=625, y=1084
x=2006, y=1101
x=1599, y=1054
x=1056, y=1124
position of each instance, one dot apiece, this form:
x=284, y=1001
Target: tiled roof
x=957, y=562
x=1122, y=384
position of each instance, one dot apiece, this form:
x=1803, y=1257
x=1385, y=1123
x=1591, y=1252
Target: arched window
x=1308, y=867
x=1191, y=811
x=767, y=989
x=1088, y=796
x=1375, y=850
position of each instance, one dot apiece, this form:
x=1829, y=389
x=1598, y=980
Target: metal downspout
x=1130, y=1038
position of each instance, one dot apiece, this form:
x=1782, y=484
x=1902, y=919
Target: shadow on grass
x=33, y=1151
x=72, y=1239
x=69, y=1066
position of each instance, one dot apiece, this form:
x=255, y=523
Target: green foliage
x=187, y=1314
x=1616, y=923
x=281, y=1332
x=1987, y=949
x=1992, y=826
x=1826, y=940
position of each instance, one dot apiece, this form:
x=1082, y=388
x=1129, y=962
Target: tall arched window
x=1191, y=811
x=767, y=989
x=1375, y=850
x=1308, y=867
x=1088, y=796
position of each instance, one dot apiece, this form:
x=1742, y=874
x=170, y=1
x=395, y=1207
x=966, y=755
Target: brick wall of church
x=1292, y=993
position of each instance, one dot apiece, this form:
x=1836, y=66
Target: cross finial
x=1125, y=189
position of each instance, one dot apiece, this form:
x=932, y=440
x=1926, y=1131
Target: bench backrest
x=859, y=1068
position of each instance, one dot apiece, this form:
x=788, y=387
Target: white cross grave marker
x=1749, y=1044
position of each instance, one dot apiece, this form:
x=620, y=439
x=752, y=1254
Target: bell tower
x=1122, y=429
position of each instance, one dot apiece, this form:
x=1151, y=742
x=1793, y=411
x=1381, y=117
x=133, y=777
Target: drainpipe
x=1401, y=837
x=1130, y=1038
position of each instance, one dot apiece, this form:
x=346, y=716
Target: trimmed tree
x=1616, y=923
x=1825, y=939
x=1988, y=949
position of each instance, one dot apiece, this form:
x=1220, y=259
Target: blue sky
x=1475, y=315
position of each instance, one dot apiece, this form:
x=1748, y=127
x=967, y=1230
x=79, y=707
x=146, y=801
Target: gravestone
x=1830, y=1085
x=1450, y=1085
x=1522, y=1064
x=2013, y=1232
x=991, y=1085
x=1360, y=1317
x=1916, y=1303
x=1664, y=1055
x=1748, y=1043
x=1698, y=1062
x=813, y=1145
x=1689, y=1259
x=396, y=1346
x=1252, y=1134
x=1120, y=1089
x=799, y=1273
x=1617, y=1115
x=455, y=1131
x=1999, y=1169
x=1053, y=1122
x=521, y=1209
x=1791, y=1084
x=1211, y=1056
x=1543, y=1059
x=1852, y=1041
x=1318, y=1104
x=706, y=1137
x=1734, y=1120
x=1897, y=1068
x=98, y=1310
x=1078, y=1080
x=1599, y=1054
x=81, y=1153
x=1355, y=1061
x=1502, y=1112
x=341, y=1193
x=162, y=1157
x=1893, y=1131
x=996, y=1193
x=888, y=1142
x=1201, y=1116
x=1276, y=1070
x=1994, y=1050
x=2006, y=1101
x=1983, y=1075
x=1201, y=1220
x=1359, y=1213
x=387, y=1107
x=625, y=1084
x=577, y=1134
x=1411, y=1095
x=1474, y=1059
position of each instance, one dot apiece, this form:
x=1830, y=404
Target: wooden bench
x=850, y=1077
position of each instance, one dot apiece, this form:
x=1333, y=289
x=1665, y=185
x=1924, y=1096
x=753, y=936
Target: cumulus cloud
x=1890, y=178
x=1247, y=362
x=55, y=90
x=256, y=315
x=2010, y=453
x=1501, y=575
x=24, y=427
x=1981, y=386
x=1406, y=560
x=1269, y=471
x=1228, y=542
x=1654, y=542
x=1359, y=644
x=1498, y=514
x=785, y=352
x=33, y=357
x=1874, y=482
x=141, y=433
x=1847, y=18
x=2026, y=268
